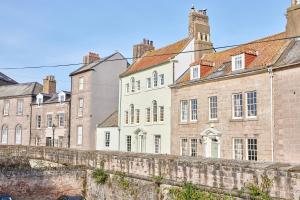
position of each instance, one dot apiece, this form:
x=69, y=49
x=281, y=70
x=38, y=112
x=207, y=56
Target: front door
x=214, y=149
x=48, y=142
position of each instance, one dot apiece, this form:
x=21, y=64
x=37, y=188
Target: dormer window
x=39, y=99
x=238, y=62
x=195, y=72
x=62, y=97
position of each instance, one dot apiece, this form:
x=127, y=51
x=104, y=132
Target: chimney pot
x=49, y=85
x=90, y=58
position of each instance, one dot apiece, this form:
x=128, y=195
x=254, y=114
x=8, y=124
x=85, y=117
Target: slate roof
x=292, y=56
x=268, y=50
x=7, y=79
x=111, y=121
x=148, y=60
x=90, y=66
x=20, y=89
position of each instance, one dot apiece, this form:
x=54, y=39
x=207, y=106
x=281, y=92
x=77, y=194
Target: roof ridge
x=169, y=45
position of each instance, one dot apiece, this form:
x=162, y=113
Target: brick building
x=242, y=103
x=51, y=116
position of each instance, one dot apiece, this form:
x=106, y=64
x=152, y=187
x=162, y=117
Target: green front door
x=214, y=149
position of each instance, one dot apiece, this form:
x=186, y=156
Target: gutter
x=70, y=105
x=119, y=113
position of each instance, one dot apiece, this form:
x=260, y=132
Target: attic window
x=39, y=99
x=238, y=62
x=62, y=97
x=195, y=72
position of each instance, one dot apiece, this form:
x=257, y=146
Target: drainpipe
x=270, y=70
x=119, y=113
x=30, y=132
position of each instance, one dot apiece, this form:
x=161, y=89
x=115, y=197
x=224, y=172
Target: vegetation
x=100, y=176
x=260, y=191
x=126, y=184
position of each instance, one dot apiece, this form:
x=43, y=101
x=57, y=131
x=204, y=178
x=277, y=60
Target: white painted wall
x=143, y=99
x=114, y=139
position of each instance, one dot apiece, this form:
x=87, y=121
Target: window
x=61, y=120
x=252, y=149
x=60, y=141
x=127, y=88
x=213, y=108
x=81, y=83
x=138, y=85
x=6, y=107
x=194, y=106
x=128, y=143
x=80, y=109
x=195, y=72
x=132, y=85
x=107, y=139
x=154, y=106
x=251, y=104
x=237, y=105
x=148, y=83
x=184, y=147
x=157, y=143
x=4, y=134
x=148, y=114
x=49, y=120
x=38, y=121
x=142, y=143
x=137, y=116
x=20, y=106
x=18, y=138
x=162, y=79
x=161, y=113
x=39, y=99
x=132, y=114
x=184, y=110
x=79, y=135
x=238, y=62
x=62, y=98
x=238, y=149
x=155, y=79
x=194, y=148
x=126, y=117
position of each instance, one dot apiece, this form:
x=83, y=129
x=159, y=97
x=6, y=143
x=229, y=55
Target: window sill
x=251, y=119
x=213, y=121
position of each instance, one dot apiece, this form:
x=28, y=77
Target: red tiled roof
x=156, y=57
x=267, y=52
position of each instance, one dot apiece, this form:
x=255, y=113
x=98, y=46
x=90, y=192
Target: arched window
x=155, y=79
x=18, y=137
x=132, y=84
x=4, y=134
x=154, y=107
x=131, y=113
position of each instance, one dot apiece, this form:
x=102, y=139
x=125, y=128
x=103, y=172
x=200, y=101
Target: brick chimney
x=90, y=58
x=140, y=49
x=49, y=85
x=293, y=19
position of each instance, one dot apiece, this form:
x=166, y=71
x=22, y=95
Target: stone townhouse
x=145, y=98
x=51, y=116
x=15, y=112
x=95, y=90
x=242, y=103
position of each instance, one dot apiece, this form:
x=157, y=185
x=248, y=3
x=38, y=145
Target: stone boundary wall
x=226, y=176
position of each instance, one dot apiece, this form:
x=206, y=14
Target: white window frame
x=148, y=115
x=255, y=151
x=127, y=88
x=20, y=106
x=80, y=107
x=184, y=107
x=138, y=118
x=192, y=72
x=48, y=117
x=6, y=107
x=107, y=139
x=4, y=134
x=132, y=82
x=148, y=83
x=79, y=135
x=62, y=97
x=195, y=147
x=131, y=107
x=126, y=117
x=157, y=144
x=81, y=83
x=234, y=106
x=193, y=112
x=254, y=104
x=155, y=79
x=236, y=156
x=18, y=135
x=161, y=113
x=154, y=111
x=238, y=59
x=138, y=85
x=162, y=79
x=38, y=119
x=184, y=151
x=210, y=108
x=61, y=116
x=128, y=143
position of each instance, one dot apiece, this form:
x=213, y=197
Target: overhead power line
x=154, y=55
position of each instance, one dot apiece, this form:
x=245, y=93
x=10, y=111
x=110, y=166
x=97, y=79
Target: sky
x=52, y=32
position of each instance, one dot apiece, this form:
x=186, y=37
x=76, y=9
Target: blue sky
x=50, y=32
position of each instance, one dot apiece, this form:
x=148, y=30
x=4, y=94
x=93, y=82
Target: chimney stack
x=90, y=58
x=140, y=49
x=49, y=85
x=293, y=19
